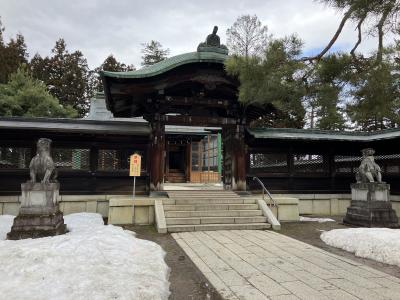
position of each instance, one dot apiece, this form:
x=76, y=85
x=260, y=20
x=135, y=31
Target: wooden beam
x=198, y=101
x=196, y=121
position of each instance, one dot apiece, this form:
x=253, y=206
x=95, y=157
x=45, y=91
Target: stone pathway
x=251, y=264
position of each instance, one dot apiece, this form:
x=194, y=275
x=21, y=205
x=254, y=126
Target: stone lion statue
x=42, y=166
x=369, y=169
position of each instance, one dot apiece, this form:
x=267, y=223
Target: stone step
x=188, y=201
x=213, y=213
x=223, y=206
x=172, y=195
x=205, y=197
x=201, y=191
x=205, y=227
x=215, y=220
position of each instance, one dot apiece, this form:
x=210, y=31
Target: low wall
x=121, y=211
x=329, y=204
x=118, y=209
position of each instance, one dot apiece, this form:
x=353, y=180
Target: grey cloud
x=99, y=28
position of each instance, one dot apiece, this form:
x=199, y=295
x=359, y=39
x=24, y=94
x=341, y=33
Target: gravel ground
x=309, y=232
x=187, y=282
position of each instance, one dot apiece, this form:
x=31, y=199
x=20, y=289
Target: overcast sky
x=101, y=27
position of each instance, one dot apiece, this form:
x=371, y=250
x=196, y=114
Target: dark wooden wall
x=89, y=180
x=295, y=166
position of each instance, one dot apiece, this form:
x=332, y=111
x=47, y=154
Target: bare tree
x=247, y=36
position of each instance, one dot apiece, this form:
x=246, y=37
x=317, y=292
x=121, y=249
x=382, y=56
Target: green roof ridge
x=298, y=133
x=169, y=64
x=322, y=131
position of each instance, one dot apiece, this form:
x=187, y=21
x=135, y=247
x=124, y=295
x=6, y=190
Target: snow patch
x=6, y=222
x=380, y=244
x=319, y=220
x=92, y=261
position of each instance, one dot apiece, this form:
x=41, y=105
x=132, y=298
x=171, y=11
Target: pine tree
x=376, y=97
x=153, y=52
x=325, y=87
x=26, y=96
x=272, y=81
x=12, y=55
x=109, y=64
x=66, y=76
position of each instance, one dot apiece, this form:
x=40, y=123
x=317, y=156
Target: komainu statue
x=369, y=169
x=42, y=166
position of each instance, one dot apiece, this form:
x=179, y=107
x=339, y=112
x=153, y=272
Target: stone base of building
x=33, y=226
x=370, y=206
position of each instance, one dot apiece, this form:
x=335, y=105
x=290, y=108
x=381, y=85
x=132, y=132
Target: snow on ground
x=92, y=261
x=319, y=220
x=6, y=222
x=380, y=244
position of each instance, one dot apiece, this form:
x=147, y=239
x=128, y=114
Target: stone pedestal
x=370, y=206
x=39, y=215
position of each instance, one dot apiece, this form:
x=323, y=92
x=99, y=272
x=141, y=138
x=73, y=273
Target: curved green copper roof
x=170, y=63
x=315, y=134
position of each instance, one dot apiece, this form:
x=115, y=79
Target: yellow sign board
x=135, y=161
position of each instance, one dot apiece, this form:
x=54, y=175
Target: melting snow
x=92, y=261
x=6, y=222
x=319, y=220
x=380, y=244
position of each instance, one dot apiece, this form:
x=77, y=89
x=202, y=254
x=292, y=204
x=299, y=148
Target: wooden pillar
x=234, y=158
x=188, y=161
x=93, y=164
x=240, y=157
x=157, y=156
x=219, y=157
x=208, y=158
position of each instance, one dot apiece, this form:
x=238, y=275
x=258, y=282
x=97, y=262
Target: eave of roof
x=75, y=126
x=308, y=134
x=169, y=64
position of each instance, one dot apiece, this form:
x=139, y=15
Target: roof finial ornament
x=212, y=44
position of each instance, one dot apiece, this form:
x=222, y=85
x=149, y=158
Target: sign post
x=134, y=170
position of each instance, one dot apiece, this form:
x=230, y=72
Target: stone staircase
x=211, y=210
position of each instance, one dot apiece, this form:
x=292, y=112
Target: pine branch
x=318, y=57
x=359, y=25
x=381, y=33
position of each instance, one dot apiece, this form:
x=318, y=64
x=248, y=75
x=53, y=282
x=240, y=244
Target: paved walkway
x=250, y=264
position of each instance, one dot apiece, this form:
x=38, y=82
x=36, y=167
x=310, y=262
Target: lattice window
x=346, y=164
x=110, y=159
x=269, y=162
x=14, y=157
x=309, y=163
x=74, y=159
x=389, y=163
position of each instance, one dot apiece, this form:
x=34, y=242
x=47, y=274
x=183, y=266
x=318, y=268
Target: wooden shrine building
x=183, y=116
x=191, y=89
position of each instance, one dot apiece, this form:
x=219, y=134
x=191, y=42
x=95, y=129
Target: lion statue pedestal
x=39, y=215
x=370, y=200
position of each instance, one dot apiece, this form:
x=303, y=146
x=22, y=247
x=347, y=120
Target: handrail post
x=264, y=189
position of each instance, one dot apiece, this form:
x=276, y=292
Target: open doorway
x=176, y=163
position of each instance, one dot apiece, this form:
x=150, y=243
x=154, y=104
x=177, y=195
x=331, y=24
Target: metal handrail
x=272, y=200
